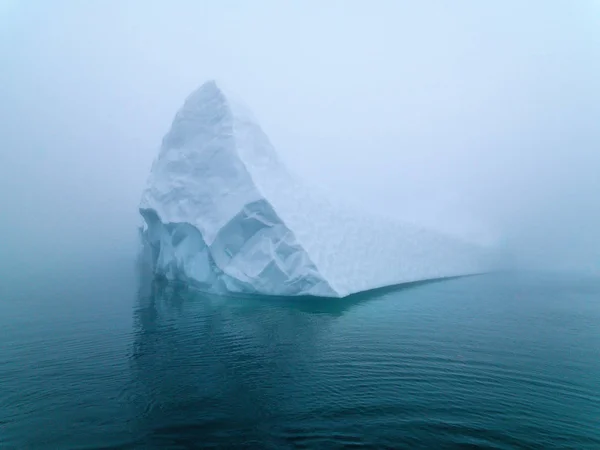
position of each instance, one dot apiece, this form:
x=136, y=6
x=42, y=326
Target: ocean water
x=102, y=357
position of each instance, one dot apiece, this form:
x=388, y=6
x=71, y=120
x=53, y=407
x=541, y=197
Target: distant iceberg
x=224, y=214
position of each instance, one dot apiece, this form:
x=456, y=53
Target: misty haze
x=379, y=226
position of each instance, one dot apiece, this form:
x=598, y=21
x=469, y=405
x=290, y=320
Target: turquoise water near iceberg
x=100, y=357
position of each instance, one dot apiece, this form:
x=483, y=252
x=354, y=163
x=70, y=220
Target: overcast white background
x=481, y=117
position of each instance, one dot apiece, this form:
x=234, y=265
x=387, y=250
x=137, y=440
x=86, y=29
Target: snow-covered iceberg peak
x=224, y=214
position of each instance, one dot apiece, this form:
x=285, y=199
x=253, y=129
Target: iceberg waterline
x=224, y=214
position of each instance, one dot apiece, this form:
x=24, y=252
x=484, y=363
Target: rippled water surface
x=108, y=360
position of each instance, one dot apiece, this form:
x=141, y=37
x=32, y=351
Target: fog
x=479, y=118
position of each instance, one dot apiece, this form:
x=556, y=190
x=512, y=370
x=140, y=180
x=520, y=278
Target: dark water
x=100, y=359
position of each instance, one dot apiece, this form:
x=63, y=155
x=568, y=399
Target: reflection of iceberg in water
x=206, y=367
x=211, y=365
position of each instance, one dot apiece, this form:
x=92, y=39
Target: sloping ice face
x=222, y=213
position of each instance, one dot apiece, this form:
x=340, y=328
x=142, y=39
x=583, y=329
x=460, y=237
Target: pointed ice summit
x=223, y=214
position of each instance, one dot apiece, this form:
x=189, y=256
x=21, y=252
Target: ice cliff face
x=224, y=214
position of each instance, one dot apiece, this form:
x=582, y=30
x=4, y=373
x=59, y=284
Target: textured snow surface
x=224, y=214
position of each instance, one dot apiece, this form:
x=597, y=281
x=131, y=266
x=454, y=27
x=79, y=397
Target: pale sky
x=480, y=117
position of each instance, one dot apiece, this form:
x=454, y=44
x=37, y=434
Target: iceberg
x=224, y=214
